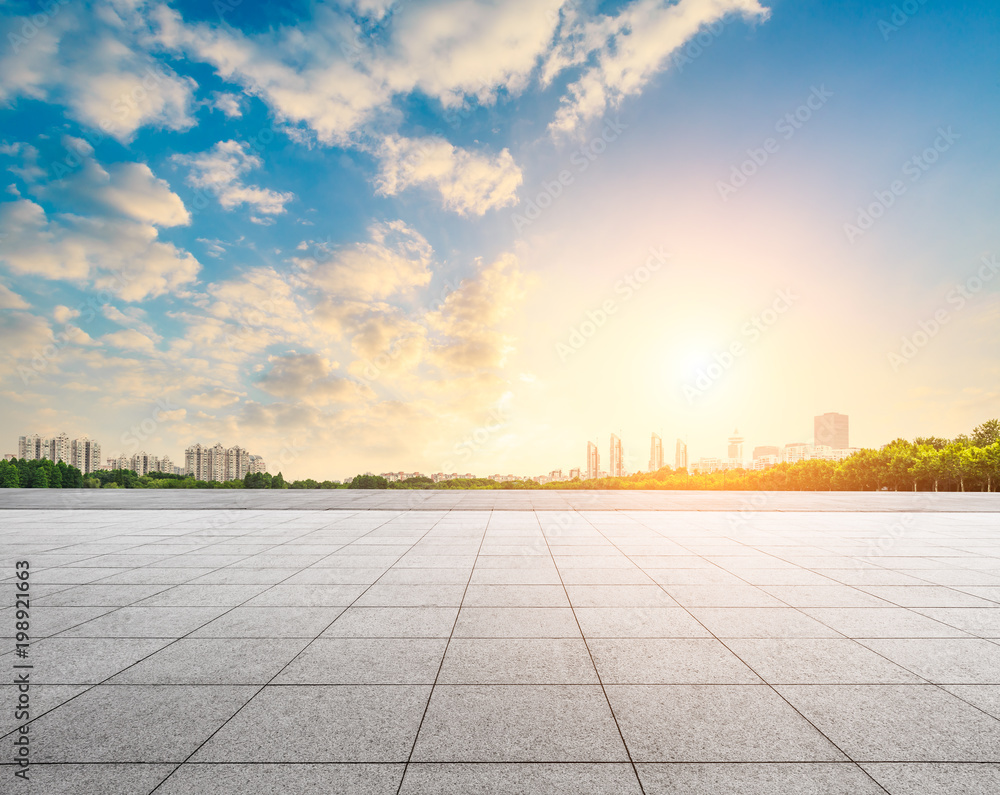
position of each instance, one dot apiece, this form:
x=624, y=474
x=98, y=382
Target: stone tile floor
x=507, y=651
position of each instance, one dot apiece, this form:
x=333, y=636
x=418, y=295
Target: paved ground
x=507, y=651
x=498, y=500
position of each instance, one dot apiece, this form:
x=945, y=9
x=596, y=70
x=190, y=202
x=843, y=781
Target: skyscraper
x=615, y=465
x=655, y=453
x=593, y=461
x=681, y=455
x=735, y=450
x=831, y=430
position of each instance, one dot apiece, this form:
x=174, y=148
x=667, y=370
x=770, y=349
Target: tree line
x=969, y=462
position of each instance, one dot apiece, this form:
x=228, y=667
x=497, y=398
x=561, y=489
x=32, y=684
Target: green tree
x=73, y=478
x=927, y=465
x=278, y=482
x=986, y=434
x=952, y=464
x=53, y=473
x=40, y=478
x=992, y=465
x=257, y=480
x=369, y=482
x=901, y=457
x=9, y=476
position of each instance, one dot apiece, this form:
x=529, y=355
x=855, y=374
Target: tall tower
x=831, y=430
x=681, y=455
x=593, y=461
x=735, y=453
x=655, y=453
x=615, y=465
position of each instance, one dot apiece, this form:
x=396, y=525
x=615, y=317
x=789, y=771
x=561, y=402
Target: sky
x=470, y=236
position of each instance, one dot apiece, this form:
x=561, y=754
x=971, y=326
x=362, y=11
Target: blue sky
x=366, y=235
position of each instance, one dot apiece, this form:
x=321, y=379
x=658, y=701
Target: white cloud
x=130, y=190
x=630, y=49
x=308, y=377
x=230, y=104
x=63, y=314
x=29, y=170
x=105, y=232
x=122, y=256
x=129, y=339
x=394, y=262
x=93, y=62
x=218, y=398
x=220, y=169
x=468, y=182
x=11, y=300
x=471, y=317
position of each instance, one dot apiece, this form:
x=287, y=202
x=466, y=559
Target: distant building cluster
x=142, y=464
x=831, y=442
x=220, y=463
x=82, y=453
x=201, y=462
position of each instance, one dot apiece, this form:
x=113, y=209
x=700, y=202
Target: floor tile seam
x=444, y=655
x=774, y=690
x=276, y=675
x=173, y=640
x=593, y=663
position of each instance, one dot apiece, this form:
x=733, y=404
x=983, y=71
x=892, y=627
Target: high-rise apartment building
x=59, y=448
x=220, y=463
x=35, y=448
x=681, y=455
x=237, y=463
x=142, y=463
x=593, y=461
x=31, y=448
x=655, y=453
x=85, y=454
x=831, y=430
x=616, y=466
x=766, y=450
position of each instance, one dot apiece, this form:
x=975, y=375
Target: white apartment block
x=35, y=447
x=85, y=454
x=808, y=452
x=142, y=464
x=218, y=463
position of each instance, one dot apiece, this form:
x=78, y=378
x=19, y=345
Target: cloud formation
x=469, y=183
x=220, y=171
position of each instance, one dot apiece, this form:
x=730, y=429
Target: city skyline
x=390, y=236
